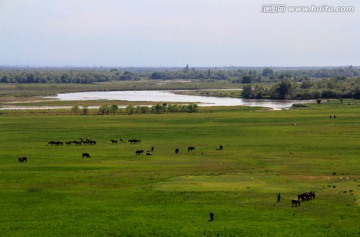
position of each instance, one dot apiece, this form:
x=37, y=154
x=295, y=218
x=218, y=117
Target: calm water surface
x=171, y=97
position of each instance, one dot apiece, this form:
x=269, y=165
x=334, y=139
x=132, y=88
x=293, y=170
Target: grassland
x=117, y=193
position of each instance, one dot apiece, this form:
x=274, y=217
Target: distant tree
x=156, y=75
x=248, y=79
x=144, y=109
x=267, y=72
x=282, y=90
x=5, y=79
x=174, y=108
x=307, y=84
x=328, y=93
x=158, y=108
x=85, y=110
x=114, y=109
x=259, y=91
x=192, y=108
x=75, y=109
x=129, y=109
x=246, y=91
x=356, y=93
x=104, y=109
x=127, y=76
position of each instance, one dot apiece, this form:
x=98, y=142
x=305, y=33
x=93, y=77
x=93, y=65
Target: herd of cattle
x=78, y=143
x=303, y=197
x=295, y=202
x=88, y=141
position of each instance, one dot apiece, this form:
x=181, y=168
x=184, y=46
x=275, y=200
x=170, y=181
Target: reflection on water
x=170, y=97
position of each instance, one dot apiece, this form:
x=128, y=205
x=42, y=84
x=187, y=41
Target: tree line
x=308, y=89
x=130, y=109
x=273, y=83
x=162, y=108
x=77, y=76
x=239, y=75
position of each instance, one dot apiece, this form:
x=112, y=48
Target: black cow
x=306, y=196
x=191, y=148
x=85, y=155
x=113, y=141
x=22, y=159
x=176, y=150
x=134, y=141
x=138, y=152
x=295, y=202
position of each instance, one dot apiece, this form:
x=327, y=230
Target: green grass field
x=117, y=193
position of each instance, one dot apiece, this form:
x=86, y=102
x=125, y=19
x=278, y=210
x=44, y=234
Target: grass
x=116, y=193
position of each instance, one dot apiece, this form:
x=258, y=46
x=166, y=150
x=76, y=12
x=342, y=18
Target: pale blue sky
x=175, y=33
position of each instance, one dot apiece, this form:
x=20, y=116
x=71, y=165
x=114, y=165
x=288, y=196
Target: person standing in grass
x=278, y=198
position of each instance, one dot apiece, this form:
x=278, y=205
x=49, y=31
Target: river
x=170, y=97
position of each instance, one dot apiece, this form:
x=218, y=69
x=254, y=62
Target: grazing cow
x=148, y=153
x=295, y=202
x=134, y=141
x=176, y=150
x=68, y=143
x=191, y=148
x=306, y=196
x=138, y=152
x=92, y=143
x=22, y=159
x=113, y=141
x=220, y=148
x=77, y=143
x=85, y=155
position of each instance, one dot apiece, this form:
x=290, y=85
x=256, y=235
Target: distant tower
x=186, y=68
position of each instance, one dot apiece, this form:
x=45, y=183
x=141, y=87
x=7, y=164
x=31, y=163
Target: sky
x=175, y=33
